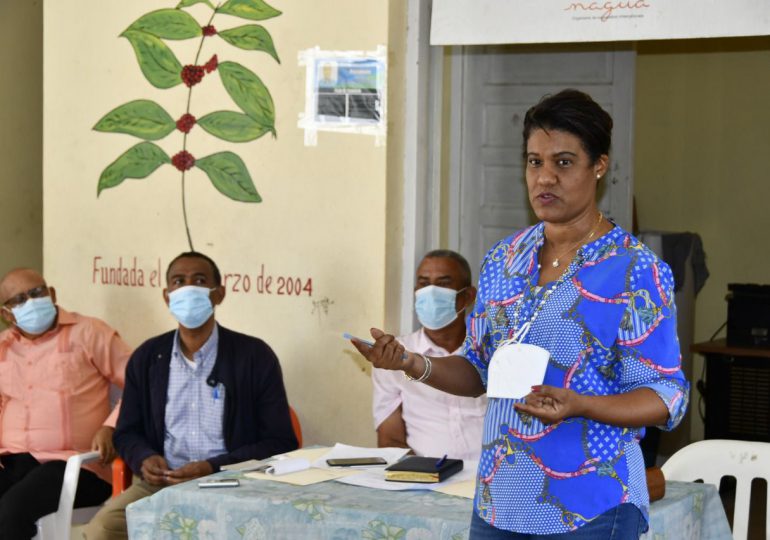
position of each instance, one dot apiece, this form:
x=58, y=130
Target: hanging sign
x=477, y=22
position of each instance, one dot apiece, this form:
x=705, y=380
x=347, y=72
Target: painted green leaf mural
x=139, y=161
x=157, y=62
x=255, y=10
x=249, y=93
x=188, y=3
x=141, y=118
x=232, y=126
x=251, y=37
x=168, y=24
x=230, y=176
x=146, y=119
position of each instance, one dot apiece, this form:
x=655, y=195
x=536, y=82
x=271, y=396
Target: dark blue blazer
x=256, y=417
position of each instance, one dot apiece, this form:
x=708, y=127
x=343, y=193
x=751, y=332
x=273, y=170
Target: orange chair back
x=295, y=424
x=121, y=477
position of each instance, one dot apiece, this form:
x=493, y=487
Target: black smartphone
x=219, y=483
x=356, y=461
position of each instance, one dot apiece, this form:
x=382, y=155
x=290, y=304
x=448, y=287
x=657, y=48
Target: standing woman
x=585, y=295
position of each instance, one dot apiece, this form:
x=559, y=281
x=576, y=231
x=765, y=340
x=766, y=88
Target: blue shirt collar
x=202, y=356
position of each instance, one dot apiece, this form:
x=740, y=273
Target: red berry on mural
x=209, y=30
x=184, y=161
x=192, y=75
x=185, y=123
x=212, y=64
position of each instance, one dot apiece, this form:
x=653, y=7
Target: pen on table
x=441, y=461
x=365, y=342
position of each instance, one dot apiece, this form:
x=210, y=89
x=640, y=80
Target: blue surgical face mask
x=191, y=306
x=36, y=315
x=435, y=306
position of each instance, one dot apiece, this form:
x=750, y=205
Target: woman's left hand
x=551, y=404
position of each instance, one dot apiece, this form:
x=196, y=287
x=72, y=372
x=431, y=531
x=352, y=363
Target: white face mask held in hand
x=435, y=306
x=516, y=367
x=191, y=306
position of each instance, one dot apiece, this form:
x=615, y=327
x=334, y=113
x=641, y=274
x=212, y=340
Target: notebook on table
x=423, y=469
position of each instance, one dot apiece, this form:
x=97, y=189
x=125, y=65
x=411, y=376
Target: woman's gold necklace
x=582, y=241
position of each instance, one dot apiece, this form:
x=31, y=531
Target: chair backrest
x=121, y=477
x=713, y=459
x=50, y=527
x=295, y=424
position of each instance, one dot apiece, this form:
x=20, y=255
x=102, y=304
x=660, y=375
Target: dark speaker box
x=748, y=315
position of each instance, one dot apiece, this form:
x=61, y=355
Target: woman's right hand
x=386, y=353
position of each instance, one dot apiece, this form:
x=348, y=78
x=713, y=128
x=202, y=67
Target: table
x=260, y=510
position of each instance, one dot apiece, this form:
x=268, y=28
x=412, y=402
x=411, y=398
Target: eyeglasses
x=19, y=299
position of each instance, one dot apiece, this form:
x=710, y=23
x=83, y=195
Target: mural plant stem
x=149, y=121
x=186, y=133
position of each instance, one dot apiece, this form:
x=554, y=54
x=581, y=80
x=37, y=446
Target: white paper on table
x=310, y=454
x=375, y=479
x=463, y=488
x=343, y=451
x=302, y=478
x=279, y=467
x=243, y=466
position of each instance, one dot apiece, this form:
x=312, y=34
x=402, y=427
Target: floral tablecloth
x=270, y=510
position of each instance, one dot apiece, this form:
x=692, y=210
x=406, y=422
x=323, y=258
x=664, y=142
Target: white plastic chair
x=712, y=459
x=57, y=526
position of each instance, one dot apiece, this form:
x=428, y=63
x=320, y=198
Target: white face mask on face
x=36, y=315
x=191, y=306
x=435, y=306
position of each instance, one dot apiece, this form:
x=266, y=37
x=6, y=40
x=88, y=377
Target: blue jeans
x=624, y=522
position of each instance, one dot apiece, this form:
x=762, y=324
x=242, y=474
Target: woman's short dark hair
x=574, y=112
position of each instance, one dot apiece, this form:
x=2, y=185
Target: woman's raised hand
x=385, y=353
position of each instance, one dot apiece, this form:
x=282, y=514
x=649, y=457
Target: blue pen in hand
x=366, y=342
x=441, y=461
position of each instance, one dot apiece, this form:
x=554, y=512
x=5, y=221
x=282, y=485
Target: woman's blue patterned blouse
x=610, y=327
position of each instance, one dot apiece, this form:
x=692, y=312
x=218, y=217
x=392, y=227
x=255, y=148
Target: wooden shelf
x=719, y=346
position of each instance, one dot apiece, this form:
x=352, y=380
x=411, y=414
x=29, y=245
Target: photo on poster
x=348, y=90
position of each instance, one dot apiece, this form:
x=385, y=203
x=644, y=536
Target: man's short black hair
x=465, y=268
x=197, y=255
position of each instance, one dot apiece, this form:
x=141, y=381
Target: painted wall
x=21, y=136
x=321, y=222
x=702, y=136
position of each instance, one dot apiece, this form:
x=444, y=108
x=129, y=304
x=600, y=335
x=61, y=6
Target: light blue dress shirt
x=194, y=409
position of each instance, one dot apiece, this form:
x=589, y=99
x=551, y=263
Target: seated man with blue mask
x=196, y=398
x=416, y=416
x=56, y=371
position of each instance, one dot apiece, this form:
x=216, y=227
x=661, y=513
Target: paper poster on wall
x=345, y=92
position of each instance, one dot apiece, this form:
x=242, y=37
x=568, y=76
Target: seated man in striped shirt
x=196, y=398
